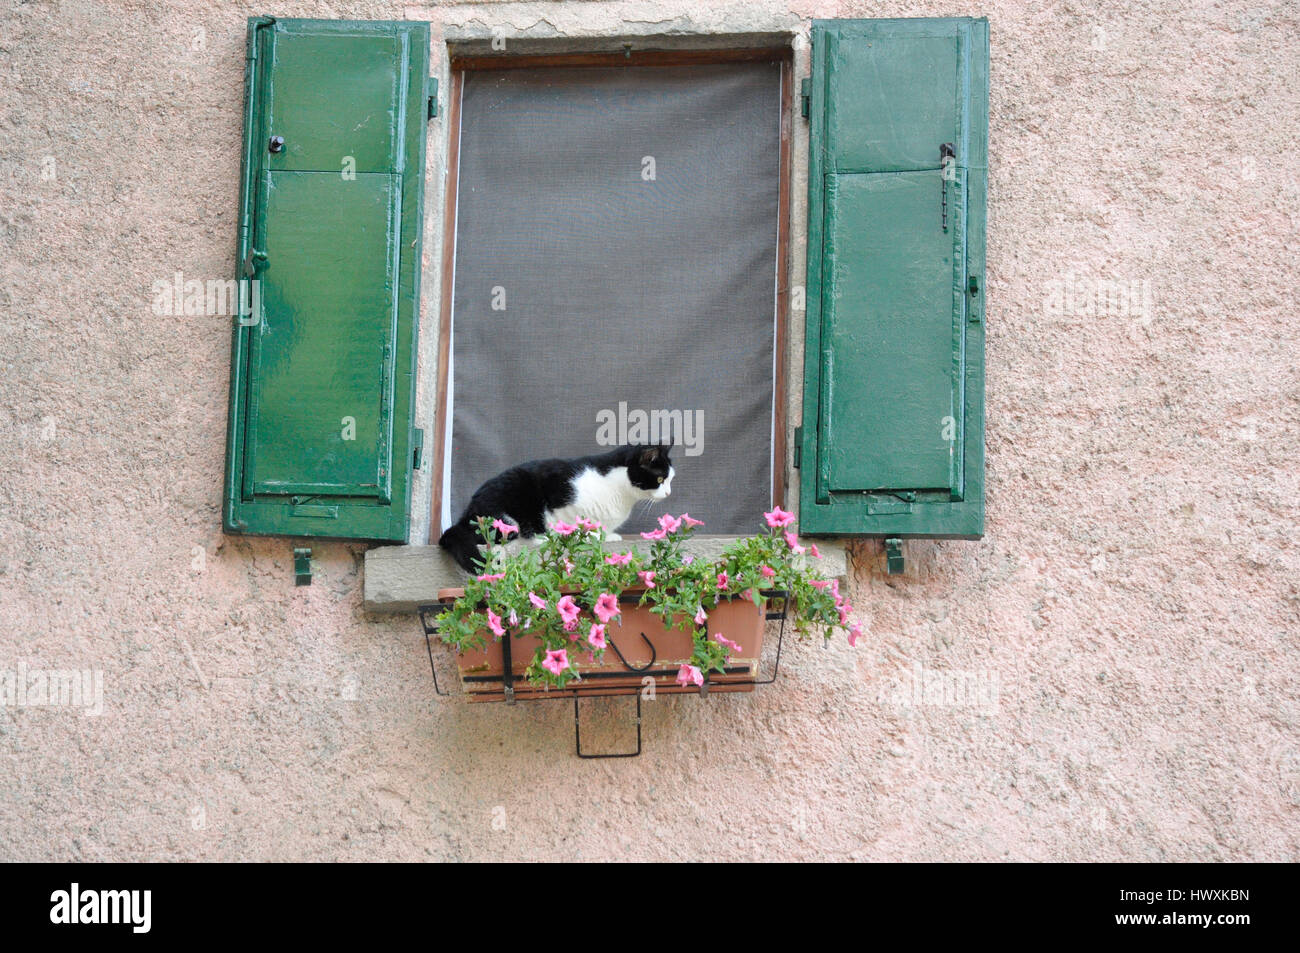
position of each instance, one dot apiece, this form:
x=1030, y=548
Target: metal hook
x=633, y=668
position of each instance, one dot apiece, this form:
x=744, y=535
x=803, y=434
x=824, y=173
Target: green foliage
x=540, y=588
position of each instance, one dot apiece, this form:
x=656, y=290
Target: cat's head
x=650, y=470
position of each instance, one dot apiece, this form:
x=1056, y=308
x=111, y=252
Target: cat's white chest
x=607, y=498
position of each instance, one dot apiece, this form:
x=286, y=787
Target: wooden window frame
x=461, y=64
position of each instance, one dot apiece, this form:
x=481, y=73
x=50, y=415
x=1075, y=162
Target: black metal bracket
x=302, y=566
x=894, y=555
x=577, y=734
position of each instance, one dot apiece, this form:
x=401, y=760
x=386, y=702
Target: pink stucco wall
x=1129, y=623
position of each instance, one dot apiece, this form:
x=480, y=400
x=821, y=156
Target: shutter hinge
x=805, y=96
x=433, y=96
x=417, y=441
x=798, y=446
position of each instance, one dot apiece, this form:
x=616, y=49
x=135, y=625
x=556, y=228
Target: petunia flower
x=494, y=623
x=767, y=571
x=688, y=675
x=596, y=637
x=722, y=580
x=793, y=541
x=563, y=529
x=700, y=617
x=556, y=661
x=820, y=583
x=493, y=577
x=669, y=523
x=812, y=548
x=619, y=559
x=844, y=608
x=569, y=612
x=779, y=518
x=537, y=601
x=505, y=529
x=588, y=524
x=647, y=577
x=855, y=633
x=691, y=521
x=606, y=607
x=727, y=643
x=654, y=534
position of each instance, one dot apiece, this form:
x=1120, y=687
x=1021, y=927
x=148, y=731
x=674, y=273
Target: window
x=616, y=252
x=615, y=273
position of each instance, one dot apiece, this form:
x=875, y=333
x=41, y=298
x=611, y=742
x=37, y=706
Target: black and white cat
x=603, y=487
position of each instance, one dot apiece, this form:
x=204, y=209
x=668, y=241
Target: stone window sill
x=400, y=578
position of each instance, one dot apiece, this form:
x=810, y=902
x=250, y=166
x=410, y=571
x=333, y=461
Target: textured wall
x=1124, y=638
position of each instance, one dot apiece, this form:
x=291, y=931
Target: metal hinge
x=433, y=96
x=805, y=96
x=798, y=447
x=417, y=441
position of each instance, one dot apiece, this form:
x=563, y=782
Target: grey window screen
x=616, y=242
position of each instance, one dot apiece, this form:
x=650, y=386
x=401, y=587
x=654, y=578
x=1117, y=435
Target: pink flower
x=688, y=675
x=619, y=559
x=569, y=612
x=563, y=529
x=793, y=540
x=727, y=643
x=767, y=571
x=568, y=564
x=844, y=608
x=494, y=623
x=492, y=578
x=691, y=521
x=820, y=583
x=647, y=577
x=596, y=637
x=835, y=589
x=669, y=523
x=654, y=534
x=537, y=601
x=590, y=525
x=556, y=661
x=505, y=529
x=606, y=607
x=514, y=618
x=855, y=633
x=812, y=548
x=687, y=560
x=779, y=518
x=722, y=580
x=700, y=617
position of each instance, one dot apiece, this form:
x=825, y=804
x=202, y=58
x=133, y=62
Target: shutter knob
x=277, y=144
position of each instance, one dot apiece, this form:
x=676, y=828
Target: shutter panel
x=320, y=441
x=893, y=425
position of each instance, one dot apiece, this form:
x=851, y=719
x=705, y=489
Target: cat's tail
x=461, y=540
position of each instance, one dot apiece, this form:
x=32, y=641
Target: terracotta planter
x=647, y=649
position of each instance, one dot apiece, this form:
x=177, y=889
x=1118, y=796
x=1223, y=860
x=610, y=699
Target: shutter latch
x=947, y=159
x=302, y=566
x=433, y=96
x=417, y=441
x=805, y=97
x=798, y=446
x=894, y=555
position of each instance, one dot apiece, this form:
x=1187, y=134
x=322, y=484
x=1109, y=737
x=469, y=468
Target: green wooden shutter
x=322, y=379
x=893, y=421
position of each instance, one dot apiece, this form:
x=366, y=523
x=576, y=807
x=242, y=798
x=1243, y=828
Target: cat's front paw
x=613, y=537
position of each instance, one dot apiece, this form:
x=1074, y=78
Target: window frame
x=459, y=65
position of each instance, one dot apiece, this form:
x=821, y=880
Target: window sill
x=401, y=578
